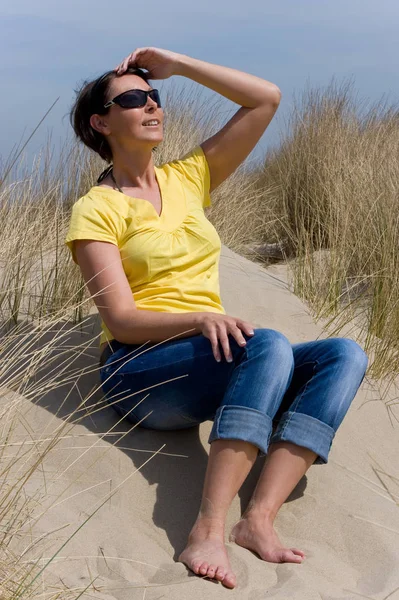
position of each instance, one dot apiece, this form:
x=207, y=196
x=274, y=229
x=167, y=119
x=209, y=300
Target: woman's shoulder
x=193, y=170
x=101, y=194
x=191, y=167
x=98, y=199
x=191, y=159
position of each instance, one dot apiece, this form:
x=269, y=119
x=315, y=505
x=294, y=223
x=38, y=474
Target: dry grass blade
x=324, y=202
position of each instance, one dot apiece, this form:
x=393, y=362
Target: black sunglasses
x=134, y=98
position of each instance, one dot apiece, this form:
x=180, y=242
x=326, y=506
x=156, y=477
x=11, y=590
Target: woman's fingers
x=123, y=65
x=215, y=346
x=224, y=341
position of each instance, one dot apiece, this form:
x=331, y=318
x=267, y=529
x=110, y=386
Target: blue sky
x=47, y=48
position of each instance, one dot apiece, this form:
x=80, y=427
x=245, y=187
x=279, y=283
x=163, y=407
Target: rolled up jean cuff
x=242, y=423
x=306, y=431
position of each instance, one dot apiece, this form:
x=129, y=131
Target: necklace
x=113, y=179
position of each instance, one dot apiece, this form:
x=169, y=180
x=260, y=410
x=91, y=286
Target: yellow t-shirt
x=171, y=261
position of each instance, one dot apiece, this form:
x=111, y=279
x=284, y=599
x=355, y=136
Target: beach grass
x=324, y=202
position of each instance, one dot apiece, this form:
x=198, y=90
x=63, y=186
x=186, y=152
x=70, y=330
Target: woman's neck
x=134, y=169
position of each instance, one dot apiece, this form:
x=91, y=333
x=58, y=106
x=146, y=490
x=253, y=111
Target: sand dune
x=340, y=514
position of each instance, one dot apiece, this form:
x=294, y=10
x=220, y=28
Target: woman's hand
x=161, y=64
x=217, y=327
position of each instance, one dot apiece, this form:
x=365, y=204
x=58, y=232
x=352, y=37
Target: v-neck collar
x=158, y=172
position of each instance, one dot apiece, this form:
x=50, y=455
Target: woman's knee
x=274, y=340
x=275, y=349
x=350, y=352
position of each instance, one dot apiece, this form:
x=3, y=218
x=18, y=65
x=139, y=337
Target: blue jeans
x=272, y=391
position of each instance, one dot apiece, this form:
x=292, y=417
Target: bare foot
x=206, y=554
x=259, y=536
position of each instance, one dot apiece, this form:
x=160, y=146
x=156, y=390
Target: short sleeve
x=90, y=221
x=195, y=169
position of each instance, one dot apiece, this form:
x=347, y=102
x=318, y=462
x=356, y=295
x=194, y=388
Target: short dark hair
x=90, y=100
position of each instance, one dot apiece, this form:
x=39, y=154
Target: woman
x=142, y=241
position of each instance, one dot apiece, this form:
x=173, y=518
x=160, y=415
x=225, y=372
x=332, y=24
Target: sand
x=340, y=514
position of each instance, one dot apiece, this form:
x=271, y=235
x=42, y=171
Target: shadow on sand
x=179, y=480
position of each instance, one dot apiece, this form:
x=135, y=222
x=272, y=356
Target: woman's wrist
x=181, y=65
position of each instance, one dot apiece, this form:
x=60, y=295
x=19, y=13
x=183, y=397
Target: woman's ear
x=97, y=123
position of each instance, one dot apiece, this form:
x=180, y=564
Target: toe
x=203, y=568
x=289, y=556
x=196, y=566
x=299, y=552
x=229, y=580
x=212, y=570
x=220, y=573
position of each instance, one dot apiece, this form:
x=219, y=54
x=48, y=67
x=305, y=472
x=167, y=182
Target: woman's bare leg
x=228, y=465
x=285, y=465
